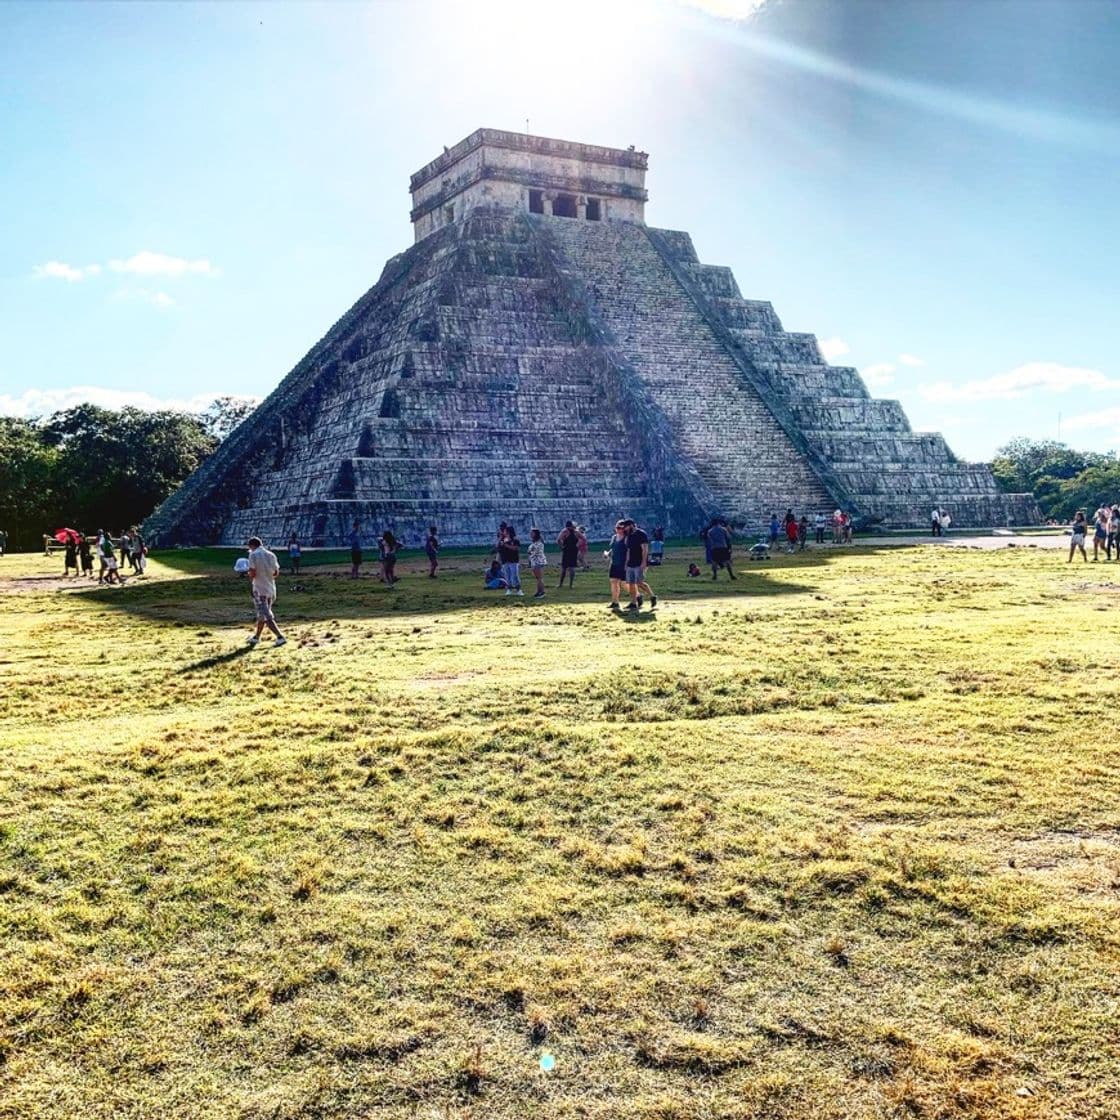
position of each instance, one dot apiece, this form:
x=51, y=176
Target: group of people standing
x=78, y=550
x=1106, y=533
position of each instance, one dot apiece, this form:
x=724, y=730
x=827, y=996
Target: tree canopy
x=1062, y=479
x=89, y=468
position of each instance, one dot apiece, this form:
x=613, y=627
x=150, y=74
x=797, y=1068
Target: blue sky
x=190, y=195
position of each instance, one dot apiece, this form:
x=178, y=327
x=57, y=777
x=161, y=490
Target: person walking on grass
x=775, y=526
x=295, y=553
x=717, y=542
x=109, y=570
x=509, y=552
x=263, y=570
x=86, y=556
x=581, y=536
x=1113, y=532
x=431, y=549
x=637, y=557
x=616, y=555
x=791, y=531
x=537, y=560
x=1100, y=532
x=387, y=546
x=71, y=555
x=568, y=540
x=1077, y=537
x=355, y=549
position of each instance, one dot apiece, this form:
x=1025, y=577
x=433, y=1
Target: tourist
x=109, y=570
x=1100, y=532
x=820, y=523
x=387, y=546
x=837, y=527
x=355, y=549
x=1114, y=532
x=693, y=571
x=616, y=555
x=775, y=529
x=537, y=560
x=568, y=540
x=3, y=542
x=707, y=544
x=802, y=532
x=139, y=551
x=1077, y=537
x=581, y=536
x=717, y=538
x=86, y=556
x=845, y=528
x=431, y=550
x=637, y=556
x=263, y=570
x=946, y=521
x=295, y=553
x=509, y=552
x=492, y=578
x=657, y=547
x=935, y=523
x=71, y=559
x=126, y=548
x=791, y=531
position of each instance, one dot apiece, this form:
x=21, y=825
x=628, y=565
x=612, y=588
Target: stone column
x=546, y=202
x=581, y=208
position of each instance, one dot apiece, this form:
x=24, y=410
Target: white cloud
x=59, y=270
x=147, y=263
x=910, y=360
x=42, y=402
x=878, y=375
x=1101, y=418
x=1048, y=377
x=833, y=348
x=727, y=9
x=160, y=300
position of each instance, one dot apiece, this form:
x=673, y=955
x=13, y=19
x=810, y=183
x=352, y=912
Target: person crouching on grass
x=263, y=570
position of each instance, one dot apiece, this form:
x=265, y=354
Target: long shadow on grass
x=213, y=595
x=216, y=660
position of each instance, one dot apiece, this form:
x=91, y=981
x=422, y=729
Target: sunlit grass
x=839, y=840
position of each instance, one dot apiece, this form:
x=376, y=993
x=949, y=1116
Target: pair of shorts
x=617, y=573
x=263, y=603
x=721, y=556
x=355, y=556
x=634, y=575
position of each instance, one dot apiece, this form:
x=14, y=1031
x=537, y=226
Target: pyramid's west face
x=537, y=368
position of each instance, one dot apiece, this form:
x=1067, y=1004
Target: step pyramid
x=540, y=354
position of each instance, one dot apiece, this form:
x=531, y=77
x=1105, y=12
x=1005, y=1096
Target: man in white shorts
x=263, y=570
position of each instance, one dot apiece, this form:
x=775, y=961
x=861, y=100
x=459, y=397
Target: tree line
x=1062, y=480
x=92, y=468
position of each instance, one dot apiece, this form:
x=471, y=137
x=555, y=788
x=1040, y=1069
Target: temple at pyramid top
x=529, y=173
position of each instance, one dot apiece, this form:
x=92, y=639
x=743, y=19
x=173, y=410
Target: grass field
x=839, y=840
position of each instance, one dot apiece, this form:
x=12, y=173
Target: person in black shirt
x=568, y=540
x=509, y=552
x=637, y=557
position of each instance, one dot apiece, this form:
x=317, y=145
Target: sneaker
x=632, y=607
x=521, y=593
x=253, y=639
x=539, y=595
x=281, y=641
x=615, y=607
x=640, y=602
x=508, y=591
x=652, y=602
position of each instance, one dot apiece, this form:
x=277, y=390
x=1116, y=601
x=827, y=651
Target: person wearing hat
x=263, y=570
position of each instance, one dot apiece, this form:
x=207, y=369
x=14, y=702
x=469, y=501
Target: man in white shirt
x=263, y=570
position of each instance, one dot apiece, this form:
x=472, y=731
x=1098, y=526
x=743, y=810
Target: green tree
x=27, y=467
x=114, y=468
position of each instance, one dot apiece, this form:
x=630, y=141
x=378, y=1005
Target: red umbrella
x=64, y=535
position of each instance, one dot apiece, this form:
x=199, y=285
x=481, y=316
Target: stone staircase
x=718, y=421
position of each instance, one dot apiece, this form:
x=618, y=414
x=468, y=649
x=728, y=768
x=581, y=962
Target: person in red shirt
x=791, y=534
